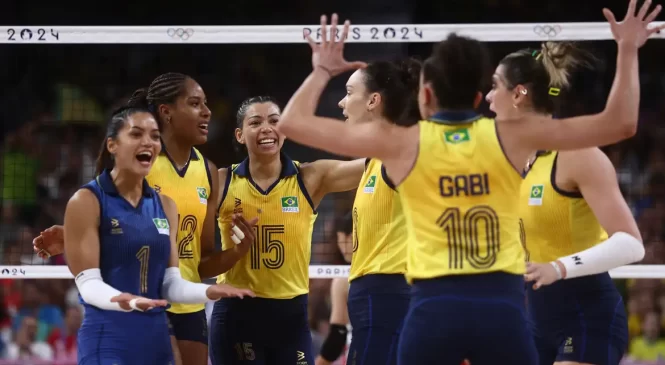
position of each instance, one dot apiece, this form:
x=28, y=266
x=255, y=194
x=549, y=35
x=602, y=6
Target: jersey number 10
x=268, y=250
x=463, y=232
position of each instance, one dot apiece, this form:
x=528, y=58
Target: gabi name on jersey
x=464, y=185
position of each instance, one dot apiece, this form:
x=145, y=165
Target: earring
x=523, y=91
x=515, y=106
x=168, y=120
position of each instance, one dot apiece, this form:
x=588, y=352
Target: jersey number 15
x=268, y=250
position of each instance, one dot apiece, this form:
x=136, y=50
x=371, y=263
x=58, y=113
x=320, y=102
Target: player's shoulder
x=84, y=196
x=587, y=162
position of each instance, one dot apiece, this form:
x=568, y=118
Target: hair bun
x=410, y=71
x=139, y=99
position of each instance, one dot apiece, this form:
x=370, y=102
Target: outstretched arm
x=619, y=119
x=332, y=176
x=299, y=122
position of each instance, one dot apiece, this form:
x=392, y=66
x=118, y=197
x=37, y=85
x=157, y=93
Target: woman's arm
x=81, y=236
x=594, y=176
x=333, y=346
x=299, y=122
x=619, y=119
x=332, y=176
x=178, y=290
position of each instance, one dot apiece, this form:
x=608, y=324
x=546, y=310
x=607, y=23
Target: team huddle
x=453, y=213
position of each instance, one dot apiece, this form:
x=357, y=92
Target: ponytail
x=119, y=117
x=104, y=159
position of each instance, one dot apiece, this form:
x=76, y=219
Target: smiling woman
x=284, y=195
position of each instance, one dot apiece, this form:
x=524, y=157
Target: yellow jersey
x=555, y=223
x=277, y=265
x=459, y=201
x=189, y=188
x=379, y=227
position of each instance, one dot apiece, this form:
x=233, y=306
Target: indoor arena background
x=55, y=99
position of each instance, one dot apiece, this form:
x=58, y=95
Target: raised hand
x=329, y=54
x=634, y=28
x=143, y=304
x=50, y=242
x=219, y=291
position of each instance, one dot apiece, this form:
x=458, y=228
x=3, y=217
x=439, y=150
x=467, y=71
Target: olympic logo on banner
x=181, y=33
x=547, y=30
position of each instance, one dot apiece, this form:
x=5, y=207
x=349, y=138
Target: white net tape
x=376, y=33
x=283, y=34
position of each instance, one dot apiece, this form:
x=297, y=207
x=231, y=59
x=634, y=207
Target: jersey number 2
x=463, y=235
x=267, y=248
x=188, y=226
x=143, y=256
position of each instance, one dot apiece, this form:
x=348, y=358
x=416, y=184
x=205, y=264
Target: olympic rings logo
x=183, y=34
x=547, y=30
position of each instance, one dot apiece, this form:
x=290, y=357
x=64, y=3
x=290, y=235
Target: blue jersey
x=134, y=254
x=134, y=242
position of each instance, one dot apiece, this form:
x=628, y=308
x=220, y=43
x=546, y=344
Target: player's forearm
x=96, y=292
x=623, y=101
x=178, y=290
x=618, y=250
x=216, y=263
x=295, y=120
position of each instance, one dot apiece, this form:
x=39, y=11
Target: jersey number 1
x=143, y=256
x=463, y=235
x=267, y=250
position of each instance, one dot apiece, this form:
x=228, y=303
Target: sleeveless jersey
x=189, y=188
x=277, y=265
x=134, y=243
x=555, y=223
x=459, y=201
x=379, y=227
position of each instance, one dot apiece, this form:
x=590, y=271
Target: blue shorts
x=580, y=320
x=189, y=326
x=260, y=331
x=124, y=338
x=478, y=317
x=377, y=307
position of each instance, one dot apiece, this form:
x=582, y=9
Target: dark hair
x=164, y=89
x=459, y=68
x=546, y=73
x=242, y=113
x=344, y=224
x=118, y=119
x=397, y=82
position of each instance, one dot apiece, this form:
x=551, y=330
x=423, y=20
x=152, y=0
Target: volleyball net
x=60, y=82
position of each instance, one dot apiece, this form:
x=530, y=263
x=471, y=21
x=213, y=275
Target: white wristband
x=132, y=304
x=556, y=267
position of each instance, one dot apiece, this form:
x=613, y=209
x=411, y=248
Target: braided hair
x=164, y=89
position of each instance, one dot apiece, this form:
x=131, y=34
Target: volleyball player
x=457, y=185
x=182, y=173
x=121, y=248
x=570, y=201
x=272, y=328
x=379, y=294
x=335, y=343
